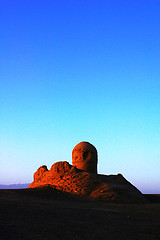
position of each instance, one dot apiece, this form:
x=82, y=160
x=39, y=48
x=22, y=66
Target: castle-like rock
x=81, y=178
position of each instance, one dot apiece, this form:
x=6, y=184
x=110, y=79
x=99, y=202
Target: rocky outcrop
x=85, y=157
x=68, y=178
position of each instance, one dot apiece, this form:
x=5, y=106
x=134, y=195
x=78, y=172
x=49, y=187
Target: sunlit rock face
x=40, y=173
x=81, y=178
x=85, y=157
x=67, y=178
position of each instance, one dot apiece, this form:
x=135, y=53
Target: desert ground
x=51, y=214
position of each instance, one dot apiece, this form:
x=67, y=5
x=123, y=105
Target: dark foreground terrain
x=50, y=214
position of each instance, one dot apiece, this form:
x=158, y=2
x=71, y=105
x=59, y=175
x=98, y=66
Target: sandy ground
x=40, y=214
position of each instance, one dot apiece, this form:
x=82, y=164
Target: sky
x=73, y=71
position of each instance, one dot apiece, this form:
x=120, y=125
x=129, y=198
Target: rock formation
x=83, y=183
x=85, y=157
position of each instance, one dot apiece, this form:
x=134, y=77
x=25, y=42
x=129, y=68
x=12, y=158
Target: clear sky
x=73, y=71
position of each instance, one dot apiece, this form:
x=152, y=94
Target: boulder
x=85, y=157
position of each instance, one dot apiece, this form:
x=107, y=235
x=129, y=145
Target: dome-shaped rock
x=85, y=157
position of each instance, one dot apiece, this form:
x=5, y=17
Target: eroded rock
x=67, y=178
x=85, y=157
x=40, y=173
x=81, y=178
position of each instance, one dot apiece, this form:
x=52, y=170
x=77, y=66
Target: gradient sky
x=73, y=71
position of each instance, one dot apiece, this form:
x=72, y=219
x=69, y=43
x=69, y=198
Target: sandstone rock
x=67, y=178
x=40, y=173
x=81, y=178
x=85, y=157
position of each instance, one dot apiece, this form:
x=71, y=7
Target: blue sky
x=73, y=71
